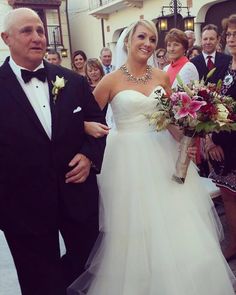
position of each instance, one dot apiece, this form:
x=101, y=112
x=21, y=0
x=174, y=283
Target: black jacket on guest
x=221, y=63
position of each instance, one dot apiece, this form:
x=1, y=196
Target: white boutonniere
x=57, y=86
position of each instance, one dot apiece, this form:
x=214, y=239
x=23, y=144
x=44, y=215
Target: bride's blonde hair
x=132, y=28
x=124, y=40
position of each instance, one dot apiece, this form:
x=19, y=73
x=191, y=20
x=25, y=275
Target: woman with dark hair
x=177, y=46
x=78, y=62
x=194, y=51
x=222, y=146
x=94, y=72
x=161, y=58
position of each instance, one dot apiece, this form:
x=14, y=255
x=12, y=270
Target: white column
x=197, y=30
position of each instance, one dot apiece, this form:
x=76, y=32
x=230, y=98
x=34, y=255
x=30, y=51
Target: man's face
x=53, y=59
x=209, y=41
x=26, y=40
x=106, y=57
x=191, y=39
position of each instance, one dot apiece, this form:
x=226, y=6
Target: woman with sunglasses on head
x=94, y=72
x=161, y=58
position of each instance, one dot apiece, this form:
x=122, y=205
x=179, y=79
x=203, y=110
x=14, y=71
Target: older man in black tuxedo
x=210, y=58
x=48, y=164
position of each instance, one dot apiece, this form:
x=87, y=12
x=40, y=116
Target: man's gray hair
x=189, y=32
x=9, y=18
x=105, y=49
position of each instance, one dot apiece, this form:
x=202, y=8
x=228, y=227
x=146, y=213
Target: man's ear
x=4, y=37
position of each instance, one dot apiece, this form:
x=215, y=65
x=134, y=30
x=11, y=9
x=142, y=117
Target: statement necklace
x=137, y=80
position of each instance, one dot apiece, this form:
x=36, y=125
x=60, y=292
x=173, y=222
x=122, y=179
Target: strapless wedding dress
x=157, y=237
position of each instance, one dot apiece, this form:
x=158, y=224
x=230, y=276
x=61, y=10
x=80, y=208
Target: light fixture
x=162, y=23
x=175, y=8
x=188, y=22
x=64, y=52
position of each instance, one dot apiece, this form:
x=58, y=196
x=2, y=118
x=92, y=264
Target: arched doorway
x=219, y=11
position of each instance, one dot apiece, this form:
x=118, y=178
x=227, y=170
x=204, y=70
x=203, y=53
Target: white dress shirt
x=213, y=57
x=37, y=93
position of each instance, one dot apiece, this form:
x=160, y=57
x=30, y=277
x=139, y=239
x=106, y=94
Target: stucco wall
x=4, y=8
x=86, y=29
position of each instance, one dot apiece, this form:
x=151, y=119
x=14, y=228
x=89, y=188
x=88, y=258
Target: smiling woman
x=156, y=238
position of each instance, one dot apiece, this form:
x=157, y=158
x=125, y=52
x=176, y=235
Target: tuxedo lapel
x=58, y=107
x=18, y=94
x=51, y=76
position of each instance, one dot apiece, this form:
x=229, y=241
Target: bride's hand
x=96, y=129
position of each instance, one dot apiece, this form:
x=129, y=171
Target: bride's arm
x=101, y=94
x=96, y=129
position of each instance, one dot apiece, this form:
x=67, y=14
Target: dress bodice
x=130, y=108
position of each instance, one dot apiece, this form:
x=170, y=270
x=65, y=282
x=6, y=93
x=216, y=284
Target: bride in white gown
x=157, y=237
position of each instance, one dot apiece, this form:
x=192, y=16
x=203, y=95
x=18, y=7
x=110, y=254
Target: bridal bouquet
x=197, y=109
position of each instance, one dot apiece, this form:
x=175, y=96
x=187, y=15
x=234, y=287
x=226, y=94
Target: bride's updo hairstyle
x=124, y=40
x=132, y=28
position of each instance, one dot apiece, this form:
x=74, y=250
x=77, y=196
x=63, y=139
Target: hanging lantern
x=162, y=23
x=64, y=52
x=188, y=22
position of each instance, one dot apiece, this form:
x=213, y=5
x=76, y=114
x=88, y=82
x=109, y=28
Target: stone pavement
x=8, y=279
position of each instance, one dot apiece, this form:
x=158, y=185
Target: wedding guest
x=48, y=171
x=78, y=62
x=210, y=58
x=177, y=46
x=161, y=58
x=191, y=38
x=94, y=72
x=106, y=59
x=194, y=51
x=222, y=146
x=53, y=57
x=157, y=236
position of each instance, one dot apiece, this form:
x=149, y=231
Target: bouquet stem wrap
x=181, y=166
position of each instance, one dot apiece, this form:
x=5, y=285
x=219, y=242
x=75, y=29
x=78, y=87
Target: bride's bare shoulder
x=162, y=79
x=108, y=86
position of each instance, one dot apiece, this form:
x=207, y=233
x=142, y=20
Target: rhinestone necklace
x=138, y=80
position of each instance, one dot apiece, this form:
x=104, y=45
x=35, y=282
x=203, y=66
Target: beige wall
x=86, y=30
x=4, y=8
x=65, y=35
x=86, y=33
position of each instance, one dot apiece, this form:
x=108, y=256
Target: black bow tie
x=28, y=75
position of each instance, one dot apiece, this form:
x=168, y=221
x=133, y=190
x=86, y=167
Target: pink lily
x=190, y=106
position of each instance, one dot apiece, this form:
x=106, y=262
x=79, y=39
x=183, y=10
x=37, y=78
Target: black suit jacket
x=221, y=62
x=33, y=192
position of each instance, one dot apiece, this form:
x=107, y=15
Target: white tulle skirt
x=157, y=237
